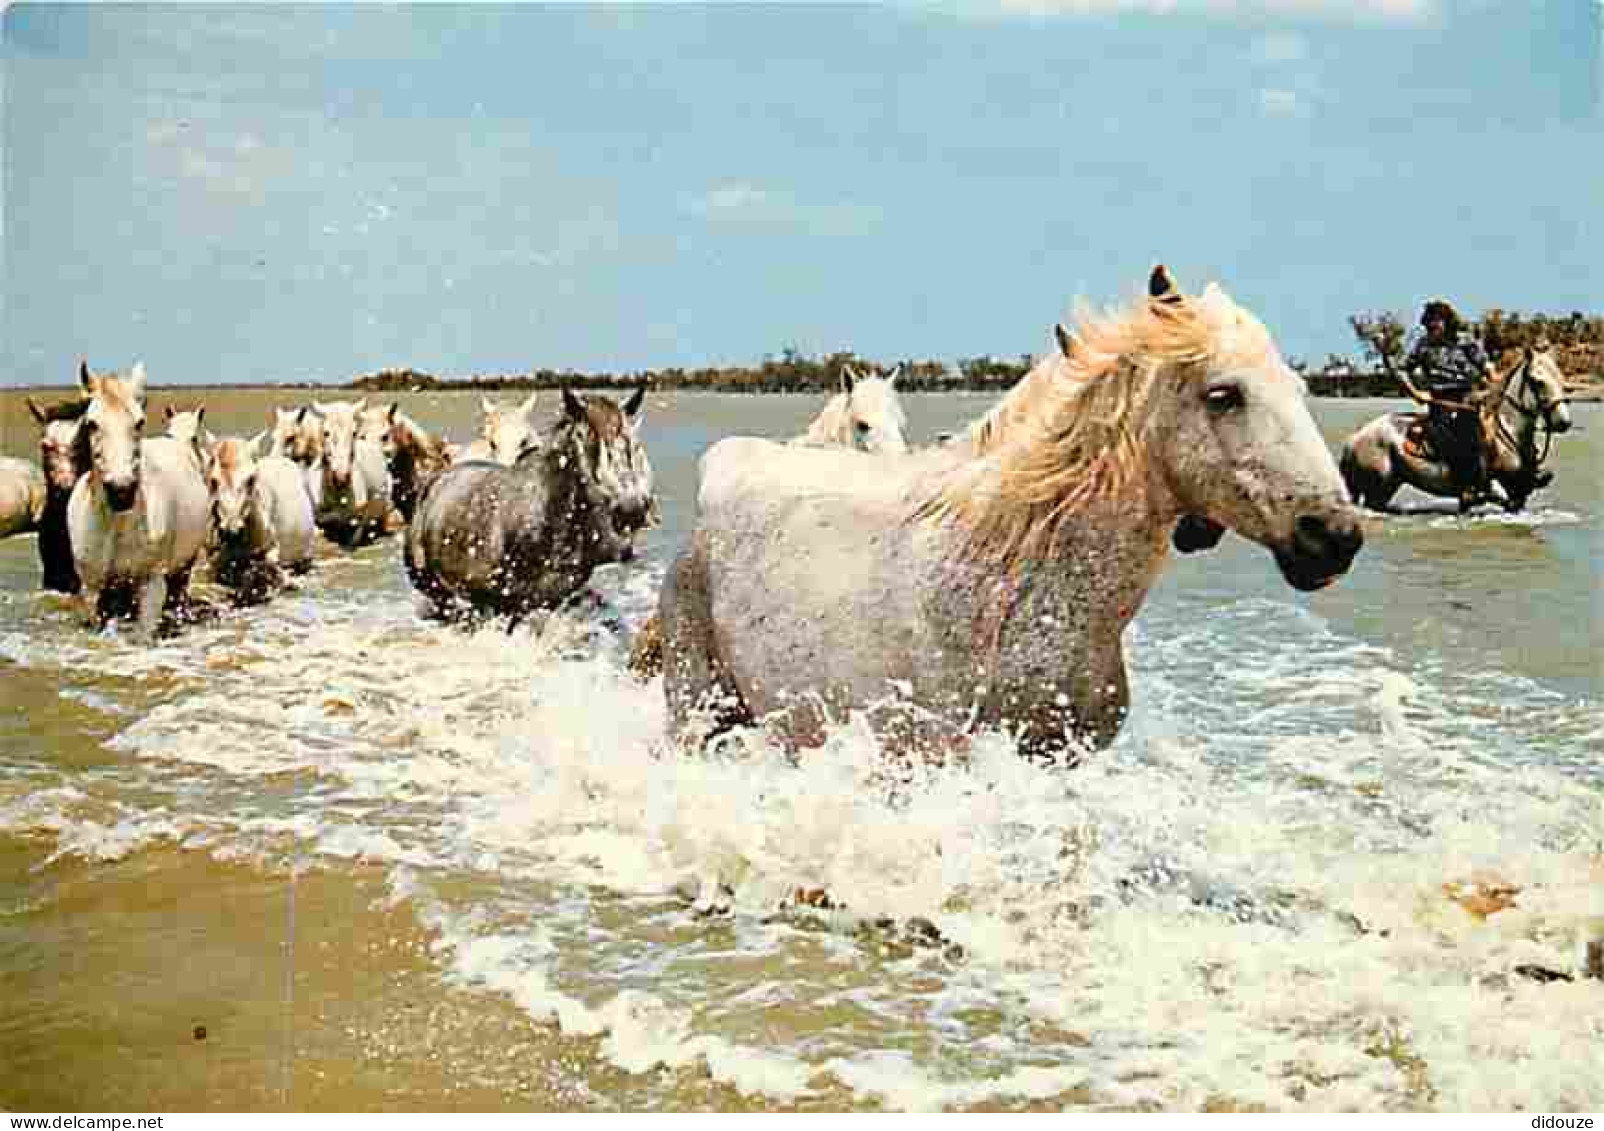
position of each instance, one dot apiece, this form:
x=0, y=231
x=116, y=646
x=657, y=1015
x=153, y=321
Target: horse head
x=875, y=420
x=1239, y=448
x=297, y=435
x=604, y=441
x=114, y=423
x=231, y=480
x=1542, y=373
x=509, y=432
x=63, y=445
x=189, y=429
x=377, y=425
x=341, y=420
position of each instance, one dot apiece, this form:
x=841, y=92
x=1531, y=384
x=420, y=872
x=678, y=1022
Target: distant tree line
x=1578, y=340
x=790, y=372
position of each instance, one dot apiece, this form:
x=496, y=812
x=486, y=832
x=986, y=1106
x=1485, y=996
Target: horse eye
x=862, y=427
x=1223, y=398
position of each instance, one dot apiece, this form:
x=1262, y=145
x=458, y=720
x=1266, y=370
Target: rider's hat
x=1442, y=308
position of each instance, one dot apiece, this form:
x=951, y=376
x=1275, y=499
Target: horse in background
x=488, y=540
x=138, y=517
x=189, y=429
x=262, y=523
x=1525, y=399
x=414, y=456
x=354, y=497
x=944, y=590
x=865, y=414
x=505, y=433
x=63, y=457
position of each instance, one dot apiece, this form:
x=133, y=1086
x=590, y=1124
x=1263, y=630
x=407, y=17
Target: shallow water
x=387, y=864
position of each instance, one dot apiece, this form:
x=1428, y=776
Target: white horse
x=138, y=518
x=262, y=521
x=866, y=414
x=505, y=434
x=944, y=591
x=297, y=435
x=22, y=497
x=1525, y=400
x=355, y=498
x=189, y=429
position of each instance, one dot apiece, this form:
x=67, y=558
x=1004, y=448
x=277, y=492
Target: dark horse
x=489, y=540
x=64, y=456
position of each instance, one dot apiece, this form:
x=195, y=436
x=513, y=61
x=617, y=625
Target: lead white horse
x=138, y=517
x=865, y=414
x=946, y=591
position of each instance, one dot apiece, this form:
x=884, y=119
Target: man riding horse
x=1448, y=371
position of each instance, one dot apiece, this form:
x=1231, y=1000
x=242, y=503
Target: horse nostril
x=1329, y=538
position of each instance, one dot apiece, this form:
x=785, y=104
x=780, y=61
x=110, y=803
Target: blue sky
x=272, y=192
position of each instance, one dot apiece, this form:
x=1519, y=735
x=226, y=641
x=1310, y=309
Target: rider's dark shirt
x=1455, y=365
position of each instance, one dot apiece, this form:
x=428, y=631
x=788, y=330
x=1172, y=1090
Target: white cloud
x=740, y=203
x=734, y=197
x=1282, y=47
x=1399, y=11
x=1280, y=103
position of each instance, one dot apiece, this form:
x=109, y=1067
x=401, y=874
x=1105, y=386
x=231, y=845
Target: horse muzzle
x=120, y=495
x=1321, y=549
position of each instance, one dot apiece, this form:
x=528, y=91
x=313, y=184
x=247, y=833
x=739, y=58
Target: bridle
x=1521, y=394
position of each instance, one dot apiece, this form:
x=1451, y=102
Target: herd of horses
x=982, y=581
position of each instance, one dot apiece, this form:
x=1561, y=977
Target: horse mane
x=1076, y=435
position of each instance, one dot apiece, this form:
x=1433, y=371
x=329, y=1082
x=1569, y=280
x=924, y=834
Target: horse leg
x=703, y=702
x=152, y=599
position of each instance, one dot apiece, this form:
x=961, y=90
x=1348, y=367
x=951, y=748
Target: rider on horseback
x=1450, y=374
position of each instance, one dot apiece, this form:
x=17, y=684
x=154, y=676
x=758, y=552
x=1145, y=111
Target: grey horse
x=946, y=591
x=493, y=540
x=1394, y=450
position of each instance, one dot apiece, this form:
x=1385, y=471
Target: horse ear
x=528, y=407
x=485, y=406
x=636, y=402
x=848, y=378
x=136, y=380
x=167, y=412
x=300, y=415
x=361, y=407
x=395, y=411
x=573, y=406
x=1062, y=336
x=895, y=373
x=86, y=379
x=258, y=444
x=200, y=417
x=1161, y=287
x=38, y=413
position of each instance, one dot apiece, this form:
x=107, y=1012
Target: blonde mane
x=1074, y=433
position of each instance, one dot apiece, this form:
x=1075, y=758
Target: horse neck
x=830, y=426
x=568, y=510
